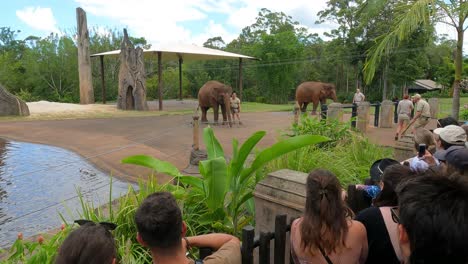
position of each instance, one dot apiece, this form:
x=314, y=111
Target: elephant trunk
x=227, y=104
x=334, y=97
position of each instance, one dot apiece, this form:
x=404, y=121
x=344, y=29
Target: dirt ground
x=106, y=141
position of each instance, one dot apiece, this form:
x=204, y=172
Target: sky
x=160, y=22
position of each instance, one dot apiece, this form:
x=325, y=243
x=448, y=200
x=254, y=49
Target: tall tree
x=411, y=16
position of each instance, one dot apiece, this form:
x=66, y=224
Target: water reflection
x=38, y=181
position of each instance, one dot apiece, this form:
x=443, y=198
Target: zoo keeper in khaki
x=423, y=112
x=235, y=107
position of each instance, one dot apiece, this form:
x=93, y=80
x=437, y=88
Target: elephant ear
x=328, y=87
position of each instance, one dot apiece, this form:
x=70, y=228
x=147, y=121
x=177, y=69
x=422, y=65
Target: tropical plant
x=411, y=16
x=335, y=130
x=225, y=190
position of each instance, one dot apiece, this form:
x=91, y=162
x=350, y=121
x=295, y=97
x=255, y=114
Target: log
x=132, y=81
x=11, y=105
x=84, y=59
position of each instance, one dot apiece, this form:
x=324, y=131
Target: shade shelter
x=181, y=53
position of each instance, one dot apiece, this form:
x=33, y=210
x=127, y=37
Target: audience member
x=423, y=113
x=404, y=109
x=382, y=235
x=433, y=219
x=326, y=233
x=161, y=229
x=448, y=139
x=457, y=161
x=443, y=122
x=423, y=163
x=91, y=243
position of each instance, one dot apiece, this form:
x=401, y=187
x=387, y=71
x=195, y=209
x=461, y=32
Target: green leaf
x=214, y=172
x=279, y=149
x=213, y=147
x=192, y=181
x=237, y=163
x=153, y=163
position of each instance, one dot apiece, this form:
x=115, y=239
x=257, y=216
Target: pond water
x=37, y=182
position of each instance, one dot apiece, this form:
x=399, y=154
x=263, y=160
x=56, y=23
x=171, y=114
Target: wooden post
x=296, y=113
x=84, y=59
x=240, y=79
x=103, y=81
x=247, y=247
x=264, y=248
x=280, y=239
x=180, y=77
x=160, y=80
x=196, y=131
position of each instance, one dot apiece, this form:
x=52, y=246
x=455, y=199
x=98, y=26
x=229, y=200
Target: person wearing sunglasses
x=161, y=229
x=91, y=243
x=382, y=233
x=432, y=218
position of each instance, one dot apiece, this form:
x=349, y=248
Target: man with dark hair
x=449, y=138
x=161, y=229
x=433, y=219
x=457, y=161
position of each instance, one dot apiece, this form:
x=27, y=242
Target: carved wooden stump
x=11, y=105
x=132, y=82
x=84, y=59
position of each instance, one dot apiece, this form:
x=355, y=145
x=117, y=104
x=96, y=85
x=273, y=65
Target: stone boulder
x=11, y=105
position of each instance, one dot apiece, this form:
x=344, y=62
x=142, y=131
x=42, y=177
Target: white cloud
x=38, y=18
x=162, y=21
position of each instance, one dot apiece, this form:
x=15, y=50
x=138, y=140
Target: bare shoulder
x=357, y=228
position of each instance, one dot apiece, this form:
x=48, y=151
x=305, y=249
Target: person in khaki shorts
x=404, y=109
x=423, y=113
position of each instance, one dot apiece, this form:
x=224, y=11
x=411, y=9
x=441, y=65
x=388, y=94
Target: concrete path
x=105, y=142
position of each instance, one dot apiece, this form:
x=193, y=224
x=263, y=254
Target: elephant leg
x=223, y=112
x=216, y=113
x=314, y=108
x=304, y=107
x=204, y=110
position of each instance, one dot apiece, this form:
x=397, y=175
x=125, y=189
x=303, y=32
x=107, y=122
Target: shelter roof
x=428, y=84
x=186, y=52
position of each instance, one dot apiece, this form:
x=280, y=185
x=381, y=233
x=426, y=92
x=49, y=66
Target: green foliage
x=349, y=155
x=333, y=129
x=223, y=193
x=464, y=114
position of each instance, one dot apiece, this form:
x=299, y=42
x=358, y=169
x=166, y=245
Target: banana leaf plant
x=226, y=188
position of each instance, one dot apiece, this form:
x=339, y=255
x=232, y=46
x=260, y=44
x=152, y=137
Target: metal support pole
x=103, y=81
x=376, y=114
x=395, y=114
x=323, y=111
x=180, y=77
x=353, y=115
x=160, y=80
x=240, y=79
x=280, y=239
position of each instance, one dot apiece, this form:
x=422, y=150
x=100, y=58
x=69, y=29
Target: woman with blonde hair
x=326, y=233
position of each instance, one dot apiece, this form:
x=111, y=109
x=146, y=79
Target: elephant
x=314, y=92
x=215, y=94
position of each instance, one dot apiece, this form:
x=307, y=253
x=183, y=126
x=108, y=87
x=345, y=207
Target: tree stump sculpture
x=11, y=105
x=132, y=83
x=84, y=59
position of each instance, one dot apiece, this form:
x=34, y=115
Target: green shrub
x=349, y=155
x=464, y=114
x=260, y=99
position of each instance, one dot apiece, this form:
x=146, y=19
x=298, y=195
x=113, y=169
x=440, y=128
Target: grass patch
x=259, y=107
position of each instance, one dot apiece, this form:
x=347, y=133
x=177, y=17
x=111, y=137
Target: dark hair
x=325, y=221
x=445, y=144
x=159, y=221
x=89, y=244
x=434, y=212
x=443, y=122
x=405, y=96
x=392, y=176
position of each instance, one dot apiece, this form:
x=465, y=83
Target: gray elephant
x=215, y=94
x=314, y=92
